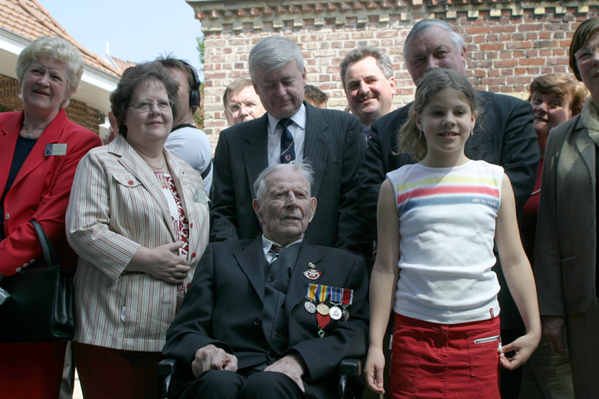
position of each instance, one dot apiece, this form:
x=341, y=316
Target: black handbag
x=40, y=308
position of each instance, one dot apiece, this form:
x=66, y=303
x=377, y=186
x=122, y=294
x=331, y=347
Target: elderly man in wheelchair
x=272, y=317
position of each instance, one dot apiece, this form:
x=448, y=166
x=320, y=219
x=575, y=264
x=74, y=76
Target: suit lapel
x=316, y=144
x=8, y=142
x=251, y=260
x=134, y=164
x=298, y=282
x=255, y=153
x=37, y=155
x=586, y=147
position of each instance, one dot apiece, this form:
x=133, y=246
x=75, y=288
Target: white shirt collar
x=299, y=118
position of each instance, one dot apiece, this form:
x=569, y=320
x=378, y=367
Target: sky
x=136, y=30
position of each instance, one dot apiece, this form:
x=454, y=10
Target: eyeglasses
x=585, y=54
x=250, y=108
x=146, y=106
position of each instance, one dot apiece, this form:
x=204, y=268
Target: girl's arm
x=519, y=277
x=382, y=284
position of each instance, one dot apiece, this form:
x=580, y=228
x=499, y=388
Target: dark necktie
x=287, y=145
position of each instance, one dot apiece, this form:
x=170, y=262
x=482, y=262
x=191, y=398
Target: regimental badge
x=312, y=273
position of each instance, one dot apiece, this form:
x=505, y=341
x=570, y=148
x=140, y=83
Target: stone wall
x=508, y=43
x=77, y=111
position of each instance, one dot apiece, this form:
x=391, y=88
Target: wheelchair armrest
x=167, y=367
x=351, y=367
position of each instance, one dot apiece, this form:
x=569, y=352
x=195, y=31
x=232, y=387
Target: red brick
x=505, y=63
x=532, y=61
x=492, y=46
x=478, y=29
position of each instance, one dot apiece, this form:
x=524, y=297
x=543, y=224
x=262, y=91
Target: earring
x=419, y=133
x=472, y=132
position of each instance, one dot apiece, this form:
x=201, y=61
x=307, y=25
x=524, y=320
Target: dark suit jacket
x=334, y=144
x=41, y=189
x=224, y=307
x=566, y=242
x=503, y=135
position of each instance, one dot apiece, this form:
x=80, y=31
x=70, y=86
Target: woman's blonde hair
x=409, y=139
x=54, y=48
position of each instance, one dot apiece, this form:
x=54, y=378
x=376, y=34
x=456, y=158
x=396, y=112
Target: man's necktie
x=276, y=251
x=287, y=145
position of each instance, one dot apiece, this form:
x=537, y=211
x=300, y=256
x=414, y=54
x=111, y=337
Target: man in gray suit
x=291, y=129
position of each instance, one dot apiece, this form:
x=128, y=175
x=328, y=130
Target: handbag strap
x=47, y=248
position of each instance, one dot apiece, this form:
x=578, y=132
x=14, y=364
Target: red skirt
x=31, y=370
x=444, y=361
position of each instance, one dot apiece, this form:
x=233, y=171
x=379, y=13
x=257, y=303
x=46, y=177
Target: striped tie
x=276, y=251
x=287, y=145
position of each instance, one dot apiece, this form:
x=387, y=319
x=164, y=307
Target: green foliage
x=198, y=117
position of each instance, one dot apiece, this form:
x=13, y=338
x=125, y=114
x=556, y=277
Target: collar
x=299, y=118
x=266, y=244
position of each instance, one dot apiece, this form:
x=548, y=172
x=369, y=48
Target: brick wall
x=508, y=43
x=77, y=111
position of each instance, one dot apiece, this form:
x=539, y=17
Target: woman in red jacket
x=39, y=152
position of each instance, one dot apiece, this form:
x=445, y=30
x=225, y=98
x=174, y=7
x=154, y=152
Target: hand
x=554, y=334
x=374, y=369
x=162, y=262
x=292, y=366
x=524, y=348
x=210, y=357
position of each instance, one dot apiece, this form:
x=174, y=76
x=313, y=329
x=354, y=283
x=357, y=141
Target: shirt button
x=32, y=261
x=191, y=225
x=130, y=182
x=6, y=216
x=25, y=265
x=278, y=334
x=19, y=269
x=257, y=321
x=271, y=279
x=193, y=255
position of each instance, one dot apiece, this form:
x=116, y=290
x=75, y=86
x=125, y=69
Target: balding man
x=503, y=136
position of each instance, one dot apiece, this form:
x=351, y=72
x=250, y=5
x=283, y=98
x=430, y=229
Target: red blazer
x=40, y=191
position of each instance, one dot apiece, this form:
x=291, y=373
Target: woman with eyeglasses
x=565, y=256
x=138, y=219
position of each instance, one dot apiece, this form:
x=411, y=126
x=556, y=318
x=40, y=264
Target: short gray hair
x=382, y=60
x=426, y=24
x=235, y=87
x=272, y=53
x=303, y=167
x=54, y=48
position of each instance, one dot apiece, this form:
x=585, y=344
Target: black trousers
x=219, y=384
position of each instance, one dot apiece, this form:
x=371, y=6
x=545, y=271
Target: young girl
x=437, y=223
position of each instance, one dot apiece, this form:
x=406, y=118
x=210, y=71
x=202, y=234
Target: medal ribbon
x=311, y=291
x=348, y=296
x=336, y=295
x=322, y=292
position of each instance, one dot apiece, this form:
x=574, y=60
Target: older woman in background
x=565, y=256
x=138, y=219
x=39, y=152
x=555, y=99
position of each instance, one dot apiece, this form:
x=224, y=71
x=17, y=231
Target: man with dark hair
x=503, y=135
x=367, y=77
x=186, y=141
x=273, y=316
x=241, y=102
x=315, y=96
x=291, y=129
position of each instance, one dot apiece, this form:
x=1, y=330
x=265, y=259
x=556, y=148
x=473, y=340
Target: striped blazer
x=116, y=206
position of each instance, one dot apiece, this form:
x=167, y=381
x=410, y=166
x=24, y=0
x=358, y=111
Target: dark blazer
x=503, y=135
x=224, y=307
x=41, y=189
x=334, y=144
x=565, y=261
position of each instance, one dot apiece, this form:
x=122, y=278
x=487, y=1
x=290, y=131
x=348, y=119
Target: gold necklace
x=160, y=168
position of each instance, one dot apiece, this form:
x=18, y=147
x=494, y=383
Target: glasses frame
x=137, y=106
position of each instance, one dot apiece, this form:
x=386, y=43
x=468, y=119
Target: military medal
x=312, y=273
x=336, y=301
x=309, y=305
x=322, y=309
x=347, y=299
